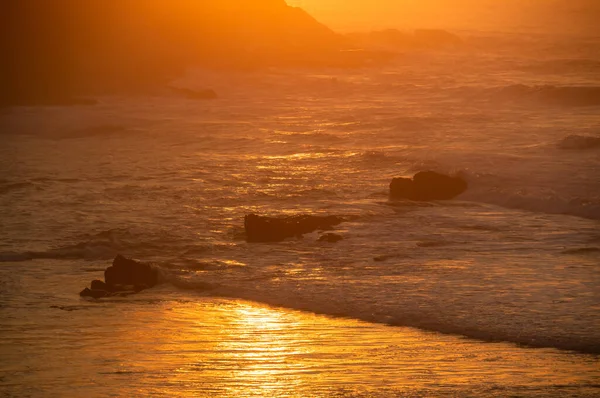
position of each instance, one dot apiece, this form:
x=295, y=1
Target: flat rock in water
x=331, y=238
x=426, y=186
x=275, y=229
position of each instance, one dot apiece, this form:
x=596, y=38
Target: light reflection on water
x=167, y=343
x=225, y=348
x=162, y=179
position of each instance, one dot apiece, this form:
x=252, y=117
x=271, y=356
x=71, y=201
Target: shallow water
x=169, y=343
x=513, y=260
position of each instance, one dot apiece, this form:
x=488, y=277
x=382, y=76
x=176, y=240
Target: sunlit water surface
x=168, y=343
x=512, y=263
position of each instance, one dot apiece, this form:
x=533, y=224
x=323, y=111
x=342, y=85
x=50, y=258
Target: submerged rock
x=427, y=185
x=125, y=276
x=579, y=142
x=331, y=238
x=274, y=229
x=93, y=293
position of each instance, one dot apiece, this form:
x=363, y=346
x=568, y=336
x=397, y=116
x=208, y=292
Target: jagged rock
x=272, y=229
x=125, y=271
x=99, y=285
x=331, y=238
x=427, y=185
x=125, y=276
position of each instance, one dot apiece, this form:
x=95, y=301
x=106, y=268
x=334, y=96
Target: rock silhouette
x=125, y=276
x=273, y=229
x=62, y=49
x=426, y=186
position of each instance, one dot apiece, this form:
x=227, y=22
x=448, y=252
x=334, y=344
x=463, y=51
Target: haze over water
x=493, y=293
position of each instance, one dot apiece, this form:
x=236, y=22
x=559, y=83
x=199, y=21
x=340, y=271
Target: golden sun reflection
x=233, y=348
x=265, y=347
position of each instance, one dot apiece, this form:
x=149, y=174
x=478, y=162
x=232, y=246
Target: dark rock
x=427, y=185
x=205, y=94
x=124, y=277
x=402, y=188
x=94, y=293
x=99, y=285
x=331, y=238
x=272, y=229
x=61, y=49
x=125, y=271
x=579, y=142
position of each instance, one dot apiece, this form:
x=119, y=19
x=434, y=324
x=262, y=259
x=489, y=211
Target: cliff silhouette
x=55, y=50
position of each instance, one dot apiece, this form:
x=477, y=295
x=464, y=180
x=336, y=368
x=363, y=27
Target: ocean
x=493, y=294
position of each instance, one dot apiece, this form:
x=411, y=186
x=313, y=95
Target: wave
x=562, y=66
x=497, y=190
x=10, y=186
x=582, y=250
x=548, y=94
x=104, y=245
x=101, y=246
x=579, y=142
x=316, y=136
x=402, y=315
x=84, y=250
x=93, y=131
x=549, y=204
x=188, y=264
x=376, y=156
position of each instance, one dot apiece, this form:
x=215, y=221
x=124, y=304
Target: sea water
x=494, y=293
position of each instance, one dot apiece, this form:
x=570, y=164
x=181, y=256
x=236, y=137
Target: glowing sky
x=457, y=14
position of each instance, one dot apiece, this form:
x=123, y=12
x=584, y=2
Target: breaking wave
x=549, y=204
x=102, y=246
x=106, y=245
x=562, y=66
x=403, y=314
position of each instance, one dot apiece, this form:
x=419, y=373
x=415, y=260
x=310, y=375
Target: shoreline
x=193, y=345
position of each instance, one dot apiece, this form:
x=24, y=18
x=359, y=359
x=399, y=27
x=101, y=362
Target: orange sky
x=525, y=15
